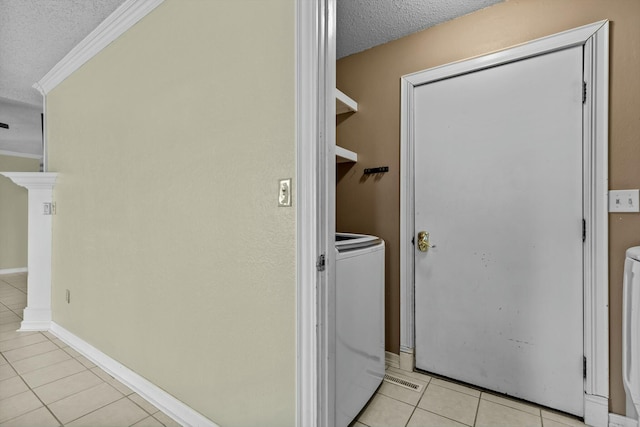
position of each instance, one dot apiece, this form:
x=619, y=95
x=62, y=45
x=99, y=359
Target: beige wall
x=13, y=213
x=169, y=145
x=373, y=79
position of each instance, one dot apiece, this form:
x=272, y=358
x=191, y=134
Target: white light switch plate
x=624, y=201
x=284, y=192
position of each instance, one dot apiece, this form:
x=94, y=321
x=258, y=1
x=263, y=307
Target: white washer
x=631, y=331
x=360, y=355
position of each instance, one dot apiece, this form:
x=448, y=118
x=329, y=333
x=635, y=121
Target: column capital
x=33, y=180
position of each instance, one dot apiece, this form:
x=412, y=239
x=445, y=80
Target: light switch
x=624, y=201
x=284, y=192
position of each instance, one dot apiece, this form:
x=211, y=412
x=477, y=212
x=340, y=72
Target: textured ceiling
x=363, y=24
x=36, y=34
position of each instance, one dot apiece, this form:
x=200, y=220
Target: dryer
x=360, y=354
x=631, y=331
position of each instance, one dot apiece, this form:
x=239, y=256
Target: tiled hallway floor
x=447, y=404
x=45, y=383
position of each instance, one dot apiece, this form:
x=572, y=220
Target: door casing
x=595, y=41
x=315, y=211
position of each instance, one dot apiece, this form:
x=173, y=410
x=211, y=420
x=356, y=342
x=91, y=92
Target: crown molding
x=116, y=24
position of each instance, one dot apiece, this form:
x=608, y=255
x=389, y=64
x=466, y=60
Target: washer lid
x=349, y=241
x=634, y=253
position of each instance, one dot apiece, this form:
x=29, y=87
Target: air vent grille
x=403, y=383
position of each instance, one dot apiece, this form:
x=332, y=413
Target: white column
x=37, y=315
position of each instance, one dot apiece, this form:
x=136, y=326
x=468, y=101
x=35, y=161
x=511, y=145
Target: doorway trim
x=315, y=211
x=595, y=41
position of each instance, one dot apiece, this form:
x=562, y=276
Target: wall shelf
x=344, y=156
x=344, y=104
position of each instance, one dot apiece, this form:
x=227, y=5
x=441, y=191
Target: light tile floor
x=44, y=383
x=447, y=404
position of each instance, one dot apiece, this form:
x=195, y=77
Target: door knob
x=423, y=242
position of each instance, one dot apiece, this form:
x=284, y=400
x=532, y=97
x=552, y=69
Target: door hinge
x=320, y=264
x=584, y=230
x=584, y=92
x=584, y=367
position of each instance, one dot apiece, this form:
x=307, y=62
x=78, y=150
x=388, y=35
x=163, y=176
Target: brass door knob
x=423, y=242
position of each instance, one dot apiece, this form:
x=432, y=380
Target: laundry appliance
x=360, y=351
x=631, y=331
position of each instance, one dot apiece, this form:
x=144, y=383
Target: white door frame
x=595, y=40
x=315, y=211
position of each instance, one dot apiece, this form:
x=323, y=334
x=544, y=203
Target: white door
x=498, y=185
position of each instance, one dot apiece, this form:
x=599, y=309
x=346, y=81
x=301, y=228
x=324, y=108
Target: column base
x=35, y=320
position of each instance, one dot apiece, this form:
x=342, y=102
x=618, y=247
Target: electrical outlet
x=624, y=201
x=49, y=208
x=284, y=192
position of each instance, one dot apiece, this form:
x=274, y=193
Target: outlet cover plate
x=624, y=201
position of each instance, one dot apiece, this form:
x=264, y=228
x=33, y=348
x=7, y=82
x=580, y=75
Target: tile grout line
x=419, y=400
x=97, y=409
x=34, y=393
x=398, y=400
x=12, y=366
x=103, y=381
x=431, y=412
x=85, y=369
x=39, y=354
x=475, y=419
x=45, y=405
x=412, y=412
x=451, y=419
x=111, y=403
x=511, y=407
x=479, y=398
x=144, y=410
x=24, y=358
x=70, y=358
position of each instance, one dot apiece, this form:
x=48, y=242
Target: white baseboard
x=12, y=270
x=596, y=410
x=406, y=360
x=392, y=359
x=616, y=420
x=181, y=413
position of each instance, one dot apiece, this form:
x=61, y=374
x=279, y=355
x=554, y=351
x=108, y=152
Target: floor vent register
x=403, y=383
